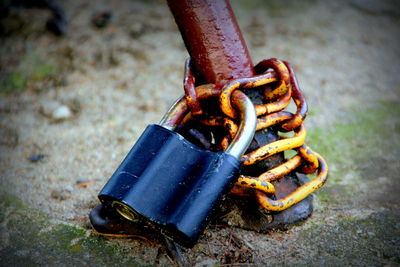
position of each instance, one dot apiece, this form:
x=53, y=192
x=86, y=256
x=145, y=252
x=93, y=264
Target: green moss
x=361, y=148
x=8, y=200
x=31, y=69
x=17, y=80
x=366, y=133
x=43, y=71
x=370, y=241
x=32, y=240
x=12, y=82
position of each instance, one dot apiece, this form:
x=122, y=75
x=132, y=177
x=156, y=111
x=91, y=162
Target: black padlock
x=168, y=182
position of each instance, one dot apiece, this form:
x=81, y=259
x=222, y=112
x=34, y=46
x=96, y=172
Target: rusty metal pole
x=213, y=40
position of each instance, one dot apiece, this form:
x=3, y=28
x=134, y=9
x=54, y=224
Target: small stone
x=60, y=194
x=69, y=188
x=81, y=181
x=36, y=158
x=57, y=111
x=61, y=113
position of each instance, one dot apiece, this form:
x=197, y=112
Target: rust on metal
x=255, y=183
x=213, y=39
x=275, y=106
x=190, y=92
x=282, y=169
x=299, y=194
x=310, y=158
x=251, y=82
x=272, y=119
x=302, y=108
x=227, y=123
x=275, y=147
x=283, y=79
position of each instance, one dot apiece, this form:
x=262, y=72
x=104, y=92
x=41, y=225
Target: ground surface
x=116, y=80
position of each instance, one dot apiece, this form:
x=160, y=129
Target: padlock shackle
x=175, y=114
x=247, y=127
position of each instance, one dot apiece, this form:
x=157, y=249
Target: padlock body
x=172, y=183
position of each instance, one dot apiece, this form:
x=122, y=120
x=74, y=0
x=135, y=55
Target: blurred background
x=80, y=80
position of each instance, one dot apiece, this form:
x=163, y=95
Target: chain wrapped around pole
x=283, y=87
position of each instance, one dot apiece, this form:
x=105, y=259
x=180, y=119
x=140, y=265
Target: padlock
x=173, y=185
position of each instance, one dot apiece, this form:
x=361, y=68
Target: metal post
x=213, y=40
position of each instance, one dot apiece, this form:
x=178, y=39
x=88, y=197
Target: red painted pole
x=213, y=40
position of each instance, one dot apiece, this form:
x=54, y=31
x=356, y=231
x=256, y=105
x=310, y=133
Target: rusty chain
x=282, y=88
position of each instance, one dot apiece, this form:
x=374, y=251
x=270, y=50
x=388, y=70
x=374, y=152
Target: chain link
x=282, y=88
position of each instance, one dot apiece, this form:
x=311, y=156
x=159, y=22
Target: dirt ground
x=71, y=108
